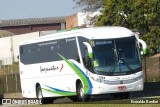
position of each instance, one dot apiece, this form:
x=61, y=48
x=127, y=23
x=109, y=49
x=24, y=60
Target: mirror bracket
x=89, y=48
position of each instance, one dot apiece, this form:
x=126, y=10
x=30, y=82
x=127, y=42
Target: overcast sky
x=20, y=9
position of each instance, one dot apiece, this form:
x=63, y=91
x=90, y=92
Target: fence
x=10, y=83
x=151, y=69
x=6, y=61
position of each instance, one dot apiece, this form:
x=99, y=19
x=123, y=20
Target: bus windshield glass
x=116, y=56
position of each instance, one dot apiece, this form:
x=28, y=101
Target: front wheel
x=40, y=97
x=80, y=93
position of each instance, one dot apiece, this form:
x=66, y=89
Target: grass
x=109, y=103
x=95, y=105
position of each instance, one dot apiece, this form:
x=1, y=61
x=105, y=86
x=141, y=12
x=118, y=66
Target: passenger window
x=52, y=48
x=21, y=50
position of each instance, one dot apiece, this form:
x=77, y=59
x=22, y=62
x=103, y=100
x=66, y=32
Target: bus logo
x=121, y=82
x=52, y=68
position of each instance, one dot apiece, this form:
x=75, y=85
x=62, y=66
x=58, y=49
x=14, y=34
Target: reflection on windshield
x=116, y=56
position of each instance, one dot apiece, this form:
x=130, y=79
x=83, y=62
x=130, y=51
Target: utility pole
x=12, y=53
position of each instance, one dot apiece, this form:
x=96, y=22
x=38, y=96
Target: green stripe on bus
x=82, y=77
x=61, y=93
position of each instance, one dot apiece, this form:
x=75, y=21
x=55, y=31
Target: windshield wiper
x=127, y=65
x=116, y=58
x=112, y=69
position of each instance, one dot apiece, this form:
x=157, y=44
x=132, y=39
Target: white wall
x=9, y=46
x=84, y=17
x=19, y=38
x=5, y=50
x=44, y=33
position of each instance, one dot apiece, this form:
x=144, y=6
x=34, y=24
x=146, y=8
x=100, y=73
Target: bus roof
x=90, y=33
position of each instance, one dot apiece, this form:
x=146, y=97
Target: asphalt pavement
x=151, y=90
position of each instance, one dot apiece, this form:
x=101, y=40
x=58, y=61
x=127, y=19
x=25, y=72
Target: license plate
x=122, y=88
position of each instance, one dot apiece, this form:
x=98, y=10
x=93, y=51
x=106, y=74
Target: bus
x=81, y=63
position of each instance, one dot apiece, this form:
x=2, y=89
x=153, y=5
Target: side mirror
x=89, y=48
x=141, y=52
x=144, y=47
x=18, y=57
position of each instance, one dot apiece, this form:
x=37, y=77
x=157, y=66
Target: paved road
x=151, y=90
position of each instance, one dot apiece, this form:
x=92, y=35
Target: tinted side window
x=21, y=50
x=47, y=51
x=68, y=48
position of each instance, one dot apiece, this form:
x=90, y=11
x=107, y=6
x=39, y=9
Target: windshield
x=116, y=56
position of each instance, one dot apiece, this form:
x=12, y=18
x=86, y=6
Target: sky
x=22, y=9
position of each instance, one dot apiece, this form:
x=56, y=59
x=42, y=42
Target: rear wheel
x=40, y=97
x=80, y=93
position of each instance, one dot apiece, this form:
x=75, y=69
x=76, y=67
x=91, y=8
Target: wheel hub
x=39, y=95
x=82, y=93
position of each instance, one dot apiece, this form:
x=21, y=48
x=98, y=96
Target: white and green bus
x=81, y=63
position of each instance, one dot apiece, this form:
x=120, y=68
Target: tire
x=40, y=97
x=81, y=96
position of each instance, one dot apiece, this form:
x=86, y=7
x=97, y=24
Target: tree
x=141, y=15
x=89, y=5
x=90, y=8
